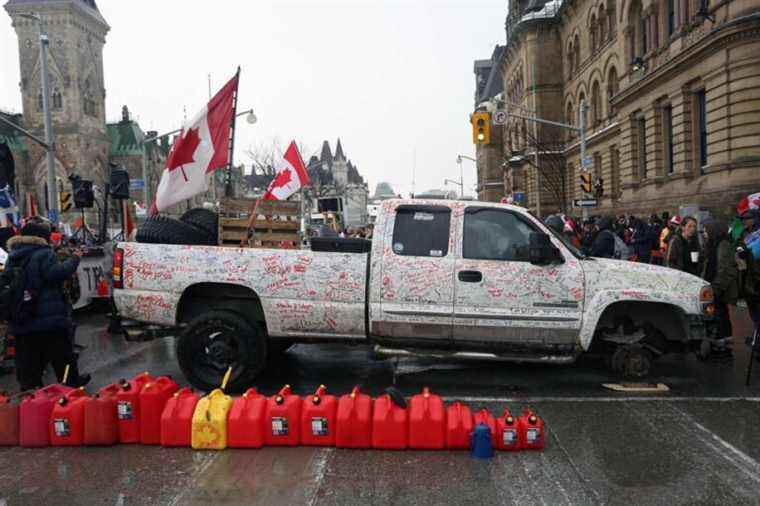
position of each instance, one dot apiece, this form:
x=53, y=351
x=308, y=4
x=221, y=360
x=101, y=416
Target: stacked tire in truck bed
x=197, y=227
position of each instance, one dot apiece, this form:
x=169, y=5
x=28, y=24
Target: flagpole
x=228, y=188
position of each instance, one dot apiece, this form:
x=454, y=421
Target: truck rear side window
x=422, y=231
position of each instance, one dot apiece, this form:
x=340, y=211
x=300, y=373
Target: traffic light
x=481, y=127
x=585, y=182
x=599, y=187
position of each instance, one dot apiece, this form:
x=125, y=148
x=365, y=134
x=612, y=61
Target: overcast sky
x=390, y=78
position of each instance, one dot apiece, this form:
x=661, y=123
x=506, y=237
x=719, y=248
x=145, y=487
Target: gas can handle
x=321, y=390
x=425, y=392
x=356, y=391
x=284, y=391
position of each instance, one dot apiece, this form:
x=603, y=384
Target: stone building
x=672, y=95
x=334, y=176
x=85, y=143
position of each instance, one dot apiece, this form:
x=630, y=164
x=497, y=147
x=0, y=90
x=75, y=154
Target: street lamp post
x=52, y=192
x=461, y=172
x=581, y=129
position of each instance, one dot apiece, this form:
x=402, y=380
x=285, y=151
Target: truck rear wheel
x=217, y=340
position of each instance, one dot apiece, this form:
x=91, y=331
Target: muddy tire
x=217, y=340
x=166, y=230
x=203, y=219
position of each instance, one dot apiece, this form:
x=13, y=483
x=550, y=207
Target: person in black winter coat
x=44, y=336
x=604, y=242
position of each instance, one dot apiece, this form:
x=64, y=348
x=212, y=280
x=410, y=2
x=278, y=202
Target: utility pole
x=535, y=143
x=52, y=191
x=582, y=126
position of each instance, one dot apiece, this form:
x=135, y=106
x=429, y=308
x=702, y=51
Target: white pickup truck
x=441, y=278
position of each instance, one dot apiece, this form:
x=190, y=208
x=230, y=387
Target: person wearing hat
x=42, y=330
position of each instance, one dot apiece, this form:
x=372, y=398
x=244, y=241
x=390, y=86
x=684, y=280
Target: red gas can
x=427, y=422
x=8, y=420
x=100, y=422
x=458, y=426
x=282, y=423
x=34, y=415
x=484, y=416
x=128, y=407
x=354, y=420
x=531, y=429
x=177, y=418
x=509, y=435
x=318, y=420
x=67, y=419
x=153, y=398
x=390, y=424
x=245, y=423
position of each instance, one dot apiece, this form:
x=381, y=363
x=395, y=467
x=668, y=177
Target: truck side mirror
x=542, y=251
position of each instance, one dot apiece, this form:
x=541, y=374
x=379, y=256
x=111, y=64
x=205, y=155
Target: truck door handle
x=470, y=276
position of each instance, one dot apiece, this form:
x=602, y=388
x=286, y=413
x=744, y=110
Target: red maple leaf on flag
x=283, y=178
x=184, y=150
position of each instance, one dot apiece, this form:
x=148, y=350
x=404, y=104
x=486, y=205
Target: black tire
x=216, y=340
x=203, y=219
x=166, y=230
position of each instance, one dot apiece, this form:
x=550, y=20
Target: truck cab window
x=493, y=234
x=422, y=231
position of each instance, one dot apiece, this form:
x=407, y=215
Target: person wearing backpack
x=40, y=315
x=683, y=248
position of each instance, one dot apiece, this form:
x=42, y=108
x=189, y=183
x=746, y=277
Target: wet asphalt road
x=697, y=444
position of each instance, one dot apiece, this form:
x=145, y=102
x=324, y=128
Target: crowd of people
x=727, y=255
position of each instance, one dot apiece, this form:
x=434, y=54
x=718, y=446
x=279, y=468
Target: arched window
x=88, y=101
x=611, y=16
x=57, y=99
x=577, y=52
x=637, y=40
x=593, y=39
x=612, y=89
x=602, y=26
x=39, y=102
x=570, y=61
x=570, y=120
x=596, y=104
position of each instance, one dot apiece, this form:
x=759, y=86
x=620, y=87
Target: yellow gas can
x=210, y=421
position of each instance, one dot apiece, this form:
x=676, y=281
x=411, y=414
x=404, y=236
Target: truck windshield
x=575, y=251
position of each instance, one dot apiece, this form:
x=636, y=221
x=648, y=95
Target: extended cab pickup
x=441, y=278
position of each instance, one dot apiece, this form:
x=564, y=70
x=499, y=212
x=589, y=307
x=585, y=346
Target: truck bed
x=303, y=293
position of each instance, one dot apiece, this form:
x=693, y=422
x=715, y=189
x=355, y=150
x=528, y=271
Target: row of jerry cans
x=354, y=420
x=124, y=412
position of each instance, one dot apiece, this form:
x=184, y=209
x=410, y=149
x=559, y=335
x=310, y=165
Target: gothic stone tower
x=77, y=33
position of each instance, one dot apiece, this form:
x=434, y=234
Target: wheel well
x=668, y=319
x=202, y=297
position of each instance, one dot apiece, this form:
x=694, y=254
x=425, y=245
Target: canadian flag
x=201, y=148
x=291, y=175
x=748, y=203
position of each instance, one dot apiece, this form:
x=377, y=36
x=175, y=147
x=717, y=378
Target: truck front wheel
x=216, y=341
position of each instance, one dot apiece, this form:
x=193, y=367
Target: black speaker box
x=119, y=183
x=84, y=198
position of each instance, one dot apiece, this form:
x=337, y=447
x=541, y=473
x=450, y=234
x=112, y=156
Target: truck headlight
x=707, y=300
